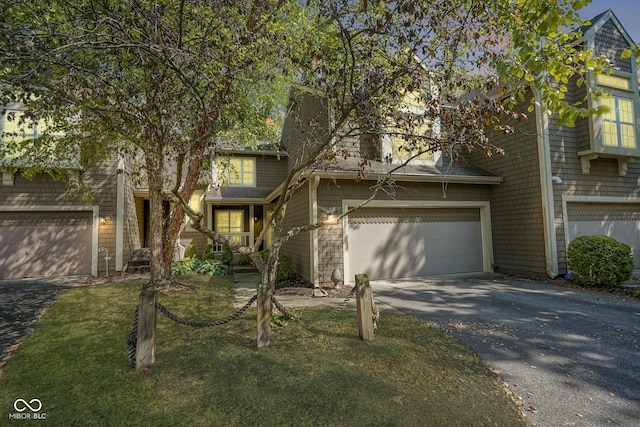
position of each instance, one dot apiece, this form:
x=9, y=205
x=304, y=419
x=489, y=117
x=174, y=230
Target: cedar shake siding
x=603, y=179
x=516, y=204
x=298, y=247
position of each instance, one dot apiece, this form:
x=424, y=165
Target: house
x=514, y=214
x=561, y=182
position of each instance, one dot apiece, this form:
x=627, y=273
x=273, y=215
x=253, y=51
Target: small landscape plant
x=599, y=261
x=209, y=267
x=207, y=252
x=227, y=255
x=285, y=266
x=191, y=251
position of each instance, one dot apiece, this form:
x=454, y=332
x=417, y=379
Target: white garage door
x=44, y=244
x=620, y=222
x=396, y=243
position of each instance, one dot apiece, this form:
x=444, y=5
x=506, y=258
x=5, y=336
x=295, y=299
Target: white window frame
x=239, y=173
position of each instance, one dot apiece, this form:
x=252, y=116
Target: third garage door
x=396, y=243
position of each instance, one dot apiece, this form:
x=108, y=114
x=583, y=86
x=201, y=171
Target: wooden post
x=146, y=342
x=364, y=304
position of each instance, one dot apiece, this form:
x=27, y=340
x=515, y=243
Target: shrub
x=208, y=267
x=207, y=252
x=181, y=267
x=599, y=261
x=211, y=267
x=227, y=255
x=191, y=251
x=285, y=266
x=244, y=260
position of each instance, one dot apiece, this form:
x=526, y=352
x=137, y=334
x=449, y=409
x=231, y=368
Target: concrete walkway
x=246, y=285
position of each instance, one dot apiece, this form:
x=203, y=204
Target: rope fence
x=133, y=335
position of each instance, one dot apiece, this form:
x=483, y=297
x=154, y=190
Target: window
x=618, y=129
x=242, y=172
x=18, y=132
x=411, y=133
x=195, y=203
x=230, y=223
x=406, y=146
x=614, y=133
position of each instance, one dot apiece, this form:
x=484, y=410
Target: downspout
x=546, y=184
x=120, y=216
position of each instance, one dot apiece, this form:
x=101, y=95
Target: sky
x=627, y=12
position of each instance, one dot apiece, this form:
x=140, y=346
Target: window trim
x=241, y=173
x=597, y=148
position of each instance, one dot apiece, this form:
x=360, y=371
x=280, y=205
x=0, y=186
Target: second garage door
x=396, y=243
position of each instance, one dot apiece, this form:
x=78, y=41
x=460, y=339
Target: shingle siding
x=298, y=247
x=610, y=43
x=516, y=204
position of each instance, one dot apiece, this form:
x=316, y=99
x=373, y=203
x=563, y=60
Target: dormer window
x=614, y=134
x=408, y=138
x=242, y=172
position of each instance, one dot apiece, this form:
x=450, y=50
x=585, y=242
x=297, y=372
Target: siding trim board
x=546, y=187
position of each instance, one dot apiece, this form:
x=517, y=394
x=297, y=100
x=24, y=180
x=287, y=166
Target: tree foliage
x=165, y=81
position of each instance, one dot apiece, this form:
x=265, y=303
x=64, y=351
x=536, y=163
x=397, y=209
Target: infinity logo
x=24, y=405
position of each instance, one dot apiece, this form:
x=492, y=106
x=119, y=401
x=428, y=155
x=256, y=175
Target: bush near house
x=191, y=251
x=209, y=267
x=599, y=261
x=285, y=266
x=227, y=255
x=207, y=252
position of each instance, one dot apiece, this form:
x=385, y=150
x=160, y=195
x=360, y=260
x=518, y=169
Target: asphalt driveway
x=22, y=302
x=570, y=357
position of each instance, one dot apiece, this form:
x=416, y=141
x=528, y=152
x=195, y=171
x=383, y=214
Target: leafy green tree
x=165, y=80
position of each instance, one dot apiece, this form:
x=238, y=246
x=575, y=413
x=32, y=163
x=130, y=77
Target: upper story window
x=618, y=124
x=242, y=172
x=410, y=137
x=18, y=131
x=614, y=132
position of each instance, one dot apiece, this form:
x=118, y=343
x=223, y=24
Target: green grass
x=316, y=372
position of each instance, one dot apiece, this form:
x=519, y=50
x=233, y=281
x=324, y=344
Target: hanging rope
x=132, y=340
x=182, y=321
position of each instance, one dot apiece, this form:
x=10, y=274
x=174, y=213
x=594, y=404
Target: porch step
x=140, y=261
x=244, y=269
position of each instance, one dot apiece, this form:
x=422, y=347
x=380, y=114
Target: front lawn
x=317, y=372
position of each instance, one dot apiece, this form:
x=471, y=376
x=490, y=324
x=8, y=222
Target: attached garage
x=391, y=242
x=43, y=243
x=620, y=221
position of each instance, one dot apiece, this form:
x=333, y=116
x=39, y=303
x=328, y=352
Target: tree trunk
x=159, y=273
x=265, y=290
x=172, y=230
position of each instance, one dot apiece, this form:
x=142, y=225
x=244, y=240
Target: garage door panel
x=620, y=222
x=45, y=244
x=407, y=249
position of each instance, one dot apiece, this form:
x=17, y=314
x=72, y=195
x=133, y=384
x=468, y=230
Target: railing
x=241, y=238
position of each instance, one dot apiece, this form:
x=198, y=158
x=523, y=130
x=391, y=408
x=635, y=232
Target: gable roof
x=589, y=31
